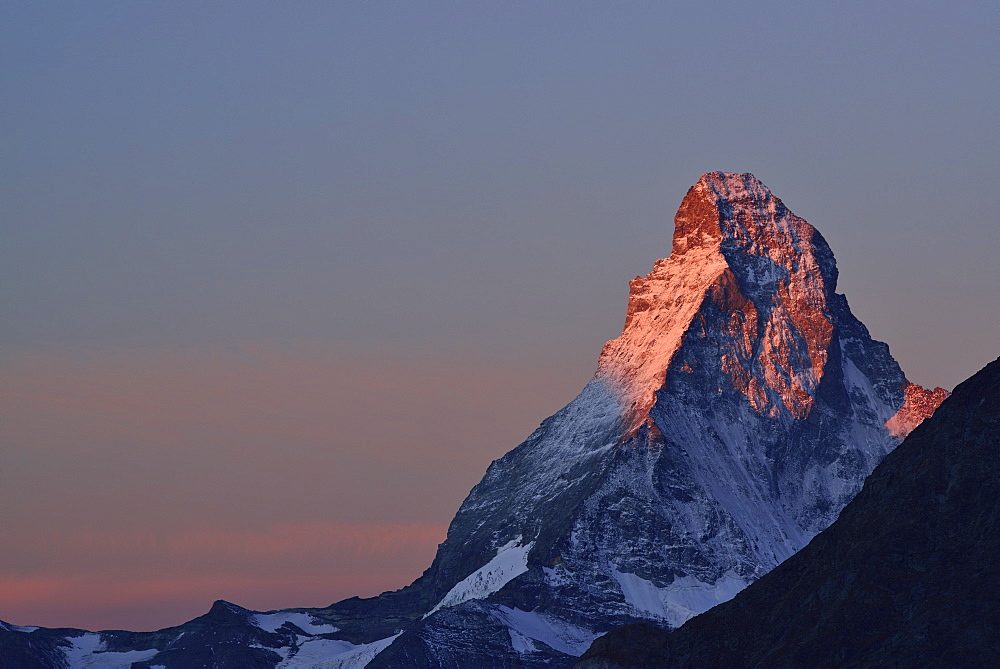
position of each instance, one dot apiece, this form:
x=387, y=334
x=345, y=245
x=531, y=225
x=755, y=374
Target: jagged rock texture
x=908, y=576
x=739, y=411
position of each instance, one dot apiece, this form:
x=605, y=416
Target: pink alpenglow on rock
x=775, y=356
x=920, y=403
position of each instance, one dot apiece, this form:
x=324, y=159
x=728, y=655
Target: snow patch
x=683, y=599
x=87, y=652
x=270, y=622
x=330, y=654
x=557, y=576
x=522, y=645
x=510, y=562
x=525, y=627
x=864, y=391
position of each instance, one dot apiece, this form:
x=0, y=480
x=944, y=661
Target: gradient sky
x=278, y=280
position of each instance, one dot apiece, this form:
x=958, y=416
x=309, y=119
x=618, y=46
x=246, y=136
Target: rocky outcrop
x=919, y=403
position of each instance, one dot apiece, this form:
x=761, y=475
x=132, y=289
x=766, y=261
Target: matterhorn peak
x=736, y=211
x=739, y=410
x=738, y=247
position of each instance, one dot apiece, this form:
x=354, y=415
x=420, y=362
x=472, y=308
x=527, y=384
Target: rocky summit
x=739, y=411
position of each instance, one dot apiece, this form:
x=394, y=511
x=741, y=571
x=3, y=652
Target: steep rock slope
x=739, y=411
x=908, y=576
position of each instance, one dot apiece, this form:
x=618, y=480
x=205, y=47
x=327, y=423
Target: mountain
x=908, y=576
x=741, y=408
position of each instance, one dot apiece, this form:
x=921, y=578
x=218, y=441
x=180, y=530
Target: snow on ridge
x=270, y=622
x=856, y=380
x=510, y=562
x=87, y=650
x=683, y=599
x=334, y=654
x=526, y=627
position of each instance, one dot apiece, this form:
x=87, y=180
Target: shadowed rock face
x=909, y=575
x=740, y=409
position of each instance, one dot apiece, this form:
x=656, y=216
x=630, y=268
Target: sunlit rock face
x=741, y=408
x=766, y=270
x=920, y=403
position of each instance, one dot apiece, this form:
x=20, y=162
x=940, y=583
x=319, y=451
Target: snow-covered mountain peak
x=735, y=245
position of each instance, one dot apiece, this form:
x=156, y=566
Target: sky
x=279, y=280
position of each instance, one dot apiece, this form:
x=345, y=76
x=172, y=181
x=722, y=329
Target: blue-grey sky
x=210, y=210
